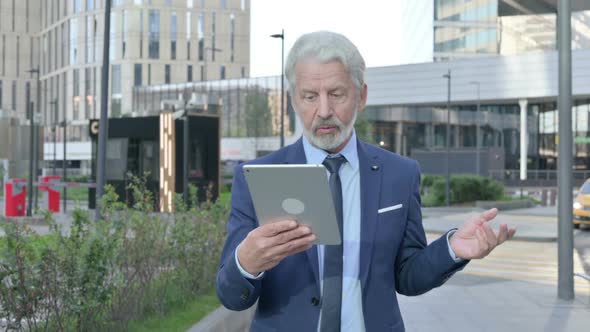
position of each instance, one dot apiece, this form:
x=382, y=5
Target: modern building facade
x=151, y=42
x=407, y=111
x=476, y=28
x=19, y=28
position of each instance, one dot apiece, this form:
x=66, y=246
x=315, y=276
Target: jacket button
x=315, y=301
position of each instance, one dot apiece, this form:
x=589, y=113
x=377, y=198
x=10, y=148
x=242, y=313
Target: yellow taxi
x=582, y=205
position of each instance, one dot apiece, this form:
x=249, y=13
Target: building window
x=222, y=72
x=173, y=34
x=141, y=34
x=116, y=91
x=223, y=4
x=188, y=34
x=13, y=15
x=3, y=55
x=73, y=41
x=154, y=34
x=89, y=5
x=189, y=3
x=167, y=74
x=189, y=73
x=87, y=92
x=243, y=5
x=243, y=71
x=27, y=16
x=27, y=98
x=125, y=32
x=201, y=36
x=137, y=74
x=232, y=36
x=213, y=37
x=149, y=82
x=88, y=39
x=17, y=55
x=76, y=95
x=202, y=73
x=14, y=95
x=113, y=45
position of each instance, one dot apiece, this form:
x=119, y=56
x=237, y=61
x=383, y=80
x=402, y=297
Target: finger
x=490, y=214
x=511, y=233
x=277, y=227
x=287, y=236
x=490, y=236
x=502, y=233
x=292, y=247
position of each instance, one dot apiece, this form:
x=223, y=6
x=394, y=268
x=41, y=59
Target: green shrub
x=102, y=275
x=464, y=188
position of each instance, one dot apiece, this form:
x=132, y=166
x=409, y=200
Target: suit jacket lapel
x=296, y=155
x=370, y=180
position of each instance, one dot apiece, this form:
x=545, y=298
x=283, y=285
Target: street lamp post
x=448, y=182
x=64, y=161
x=282, y=36
x=104, y=121
x=477, y=138
x=33, y=144
x=213, y=50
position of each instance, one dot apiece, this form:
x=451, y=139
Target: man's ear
x=363, y=100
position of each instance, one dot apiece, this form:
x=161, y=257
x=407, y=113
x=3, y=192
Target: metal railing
x=511, y=177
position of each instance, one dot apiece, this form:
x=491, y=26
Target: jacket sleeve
x=234, y=290
x=420, y=268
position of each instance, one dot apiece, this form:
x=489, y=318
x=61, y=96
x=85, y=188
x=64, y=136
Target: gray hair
x=326, y=46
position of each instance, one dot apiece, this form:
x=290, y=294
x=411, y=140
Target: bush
x=464, y=188
x=102, y=275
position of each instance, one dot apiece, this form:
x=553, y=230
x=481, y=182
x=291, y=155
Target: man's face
x=327, y=101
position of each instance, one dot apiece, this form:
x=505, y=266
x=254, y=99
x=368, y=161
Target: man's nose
x=324, y=107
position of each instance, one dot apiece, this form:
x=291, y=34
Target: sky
x=374, y=26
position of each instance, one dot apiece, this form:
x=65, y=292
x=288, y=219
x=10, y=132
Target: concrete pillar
x=457, y=136
x=429, y=135
x=523, y=138
x=399, y=137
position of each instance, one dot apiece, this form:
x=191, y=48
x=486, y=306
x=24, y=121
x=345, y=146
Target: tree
x=364, y=128
x=258, y=116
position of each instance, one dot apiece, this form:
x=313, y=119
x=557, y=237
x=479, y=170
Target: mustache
x=331, y=121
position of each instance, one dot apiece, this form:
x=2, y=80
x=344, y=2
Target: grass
x=180, y=318
x=77, y=194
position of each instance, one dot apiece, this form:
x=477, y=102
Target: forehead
x=315, y=73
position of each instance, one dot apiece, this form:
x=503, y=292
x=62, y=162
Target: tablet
x=298, y=192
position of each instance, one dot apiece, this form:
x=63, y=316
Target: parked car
x=582, y=205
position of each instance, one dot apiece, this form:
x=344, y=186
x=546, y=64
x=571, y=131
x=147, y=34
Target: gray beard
x=330, y=142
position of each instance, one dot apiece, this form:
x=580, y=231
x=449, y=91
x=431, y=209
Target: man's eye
x=310, y=97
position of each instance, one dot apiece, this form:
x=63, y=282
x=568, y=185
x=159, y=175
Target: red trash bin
x=15, y=198
x=51, y=192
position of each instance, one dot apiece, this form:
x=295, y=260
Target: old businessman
x=299, y=286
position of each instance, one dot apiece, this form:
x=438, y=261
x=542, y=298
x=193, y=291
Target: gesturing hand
x=264, y=247
x=476, y=239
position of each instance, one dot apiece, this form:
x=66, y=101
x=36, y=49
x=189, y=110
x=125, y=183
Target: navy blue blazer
x=394, y=256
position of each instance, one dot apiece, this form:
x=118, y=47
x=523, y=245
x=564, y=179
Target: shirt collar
x=317, y=156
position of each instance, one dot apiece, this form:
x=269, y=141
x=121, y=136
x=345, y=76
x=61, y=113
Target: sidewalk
x=476, y=303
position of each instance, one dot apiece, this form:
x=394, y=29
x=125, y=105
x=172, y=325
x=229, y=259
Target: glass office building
x=406, y=109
